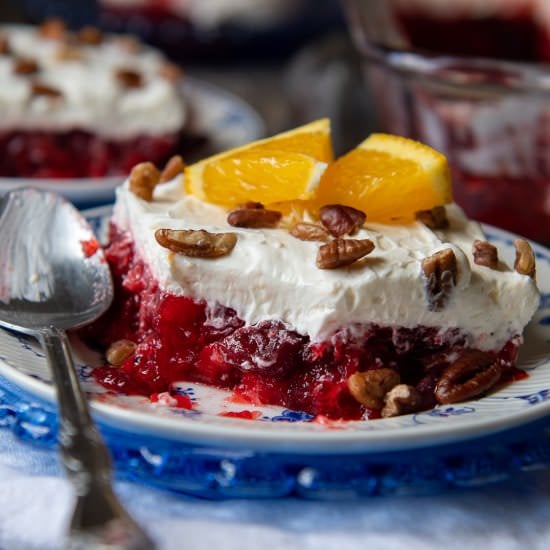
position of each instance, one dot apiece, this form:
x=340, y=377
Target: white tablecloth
x=35, y=504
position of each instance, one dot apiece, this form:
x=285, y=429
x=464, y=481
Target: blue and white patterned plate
x=210, y=451
x=223, y=118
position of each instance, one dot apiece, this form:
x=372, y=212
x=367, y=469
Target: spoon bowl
x=53, y=271
x=54, y=277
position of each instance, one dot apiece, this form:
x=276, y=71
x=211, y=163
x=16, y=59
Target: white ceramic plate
x=225, y=119
x=272, y=428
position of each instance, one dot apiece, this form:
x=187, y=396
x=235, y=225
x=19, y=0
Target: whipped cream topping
x=93, y=98
x=209, y=14
x=272, y=275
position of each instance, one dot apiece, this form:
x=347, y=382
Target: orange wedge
x=285, y=167
x=389, y=178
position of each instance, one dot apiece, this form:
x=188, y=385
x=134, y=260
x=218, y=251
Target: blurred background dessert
x=477, y=28
x=208, y=29
x=204, y=30
x=468, y=77
x=269, y=58
x=82, y=104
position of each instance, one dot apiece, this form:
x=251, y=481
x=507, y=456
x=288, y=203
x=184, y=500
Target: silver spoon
x=52, y=280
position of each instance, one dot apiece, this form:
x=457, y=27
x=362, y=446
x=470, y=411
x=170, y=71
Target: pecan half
x=369, y=387
x=196, y=243
x=41, y=89
x=309, y=232
x=436, y=218
x=54, y=29
x=341, y=220
x=472, y=374
x=90, y=36
x=526, y=262
x=25, y=65
x=440, y=270
x=253, y=215
x=342, y=252
x=119, y=351
x=485, y=254
x=174, y=167
x=143, y=179
x=129, y=78
x=401, y=399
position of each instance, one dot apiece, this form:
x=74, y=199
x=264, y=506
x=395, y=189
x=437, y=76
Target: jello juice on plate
x=471, y=78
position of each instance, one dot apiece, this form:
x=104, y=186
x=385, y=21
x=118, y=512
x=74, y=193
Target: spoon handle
x=99, y=519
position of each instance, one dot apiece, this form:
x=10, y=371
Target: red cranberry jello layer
x=428, y=314
x=82, y=104
x=477, y=28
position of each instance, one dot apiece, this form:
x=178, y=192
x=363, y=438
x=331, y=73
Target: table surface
x=36, y=499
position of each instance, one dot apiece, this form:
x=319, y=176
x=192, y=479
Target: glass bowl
x=490, y=116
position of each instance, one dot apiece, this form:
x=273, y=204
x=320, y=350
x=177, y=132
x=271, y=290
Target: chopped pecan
x=4, y=45
x=485, y=254
x=526, y=262
x=369, y=387
x=129, y=78
x=129, y=43
x=341, y=220
x=41, y=89
x=119, y=351
x=196, y=243
x=143, y=179
x=309, y=232
x=89, y=35
x=174, y=167
x=54, y=29
x=170, y=71
x=68, y=53
x=436, y=218
x=440, y=270
x=25, y=65
x=401, y=399
x=253, y=215
x=342, y=252
x=472, y=374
